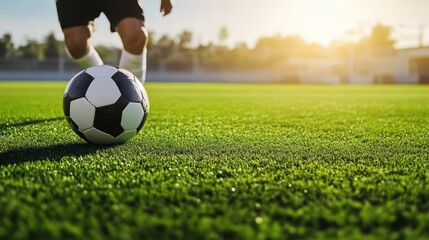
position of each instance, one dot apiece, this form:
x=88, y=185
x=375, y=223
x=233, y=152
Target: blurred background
x=290, y=41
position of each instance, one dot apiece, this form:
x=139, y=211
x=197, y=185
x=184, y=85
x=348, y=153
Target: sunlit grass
x=221, y=161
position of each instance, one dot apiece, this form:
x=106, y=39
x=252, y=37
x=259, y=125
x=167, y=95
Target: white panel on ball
x=125, y=136
x=82, y=113
x=103, y=92
x=103, y=71
x=98, y=137
x=132, y=116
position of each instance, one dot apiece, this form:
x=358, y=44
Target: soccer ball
x=105, y=105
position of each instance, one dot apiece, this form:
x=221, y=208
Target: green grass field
x=221, y=161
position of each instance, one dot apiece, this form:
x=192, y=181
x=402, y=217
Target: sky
x=320, y=21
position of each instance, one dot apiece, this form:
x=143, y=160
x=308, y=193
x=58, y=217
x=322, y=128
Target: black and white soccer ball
x=105, y=105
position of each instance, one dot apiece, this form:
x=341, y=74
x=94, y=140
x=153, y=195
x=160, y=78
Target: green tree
x=6, y=46
x=31, y=50
x=223, y=35
x=110, y=55
x=275, y=49
x=241, y=56
x=380, y=38
x=166, y=46
x=51, y=47
x=185, y=39
x=151, y=40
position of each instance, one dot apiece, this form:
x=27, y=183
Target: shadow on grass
x=51, y=152
x=5, y=126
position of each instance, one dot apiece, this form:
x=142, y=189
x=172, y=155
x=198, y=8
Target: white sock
x=136, y=64
x=88, y=60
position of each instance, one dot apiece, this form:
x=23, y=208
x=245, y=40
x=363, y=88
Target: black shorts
x=72, y=13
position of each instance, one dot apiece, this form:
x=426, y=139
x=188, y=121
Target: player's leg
x=79, y=47
x=134, y=38
x=77, y=30
x=126, y=17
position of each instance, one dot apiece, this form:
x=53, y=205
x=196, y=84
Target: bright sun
x=318, y=20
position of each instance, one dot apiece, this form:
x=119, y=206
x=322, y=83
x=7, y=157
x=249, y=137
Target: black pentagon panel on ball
x=126, y=72
x=108, y=118
x=75, y=128
x=79, y=85
x=127, y=86
x=122, y=103
x=66, y=105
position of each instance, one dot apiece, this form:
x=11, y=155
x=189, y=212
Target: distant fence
x=308, y=71
x=154, y=76
x=60, y=69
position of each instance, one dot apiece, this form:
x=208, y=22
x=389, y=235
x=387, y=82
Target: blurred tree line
x=181, y=53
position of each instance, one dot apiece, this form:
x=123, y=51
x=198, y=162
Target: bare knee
x=77, y=41
x=135, y=42
x=133, y=34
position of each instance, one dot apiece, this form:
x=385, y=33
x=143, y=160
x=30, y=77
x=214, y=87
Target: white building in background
x=370, y=68
x=412, y=65
x=402, y=66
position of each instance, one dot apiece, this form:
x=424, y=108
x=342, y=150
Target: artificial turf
x=221, y=161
